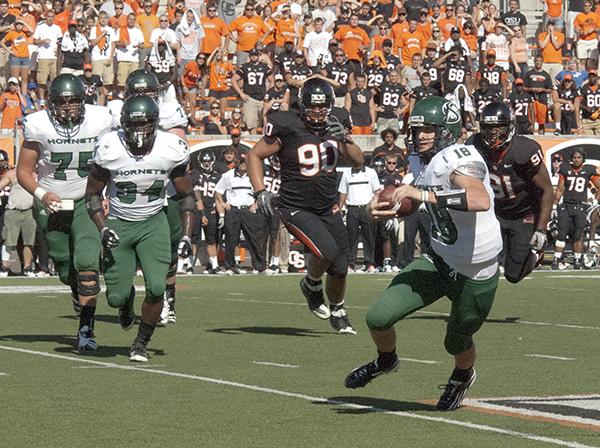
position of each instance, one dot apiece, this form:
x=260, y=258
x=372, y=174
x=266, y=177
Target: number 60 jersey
x=308, y=161
x=66, y=155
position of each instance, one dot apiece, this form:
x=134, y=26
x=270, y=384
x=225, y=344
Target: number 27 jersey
x=308, y=161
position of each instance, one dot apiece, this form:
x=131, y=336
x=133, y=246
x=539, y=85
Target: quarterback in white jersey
x=135, y=164
x=455, y=187
x=59, y=143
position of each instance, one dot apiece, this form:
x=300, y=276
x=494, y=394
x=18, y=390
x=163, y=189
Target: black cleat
x=555, y=265
x=577, y=264
x=363, y=375
x=126, y=313
x=454, y=393
x=86, y=341
x=137, y=352
x=314, y=297
x=339, y=322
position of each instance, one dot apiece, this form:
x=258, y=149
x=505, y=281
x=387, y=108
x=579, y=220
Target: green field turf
x=210, y=382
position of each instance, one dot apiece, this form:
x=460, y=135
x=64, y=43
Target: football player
x=60, y=141
x=135, y=164
x=308, y=143
x=463, y=262
x=272, y=182
x=522, y=189
x=573, y=185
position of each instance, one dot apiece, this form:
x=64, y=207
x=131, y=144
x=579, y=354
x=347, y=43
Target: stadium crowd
x=381, y=56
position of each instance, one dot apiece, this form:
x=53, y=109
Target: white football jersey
x=66, y=155
x=136, y=189
x=171, y=116
x=115, y=107
x=461, y=238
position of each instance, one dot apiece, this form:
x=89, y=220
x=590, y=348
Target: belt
x=242, y=207
x=20, y=209
x=357, y=206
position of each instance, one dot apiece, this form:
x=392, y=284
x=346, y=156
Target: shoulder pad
x=280, y=123
x=33, y=126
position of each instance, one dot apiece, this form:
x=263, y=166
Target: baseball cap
x=3, y=156
x=253, y=52
x=87, y=66
x=519, y=81
x=13, y=80
x=235, y=132
x=568, y=76
x=454, y=30
x=32, y=85
x=402, y=10
x=491, y=52
x=590, y=72
x=278, y=76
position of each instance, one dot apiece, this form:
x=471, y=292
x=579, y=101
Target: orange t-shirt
x=214, y=29
x=410, y=43
x=270, y=24
x=352, y=39
x=554, y=7
x=191, y=74
x=285, y=30
x=446, y=25
x=217, y=78
x=398, y=29
x=550, y=54
x=119, y=22
x=147, y=24
x=11, y=111
x=62, y=20
x=426, y=29
x=139, y=9
x=588, y=23
x=249, y=30
x=30, y=20
x=471, y=41
x=378, y=41
x=17, y=41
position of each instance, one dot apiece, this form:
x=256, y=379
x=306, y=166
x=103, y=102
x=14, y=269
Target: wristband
x=221, y=215
x=456, y=199
x=424, y=195
x=39, y=193
x=257, y=193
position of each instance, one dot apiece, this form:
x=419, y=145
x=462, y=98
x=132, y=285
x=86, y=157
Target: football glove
x=554, y=213
x=263, y=199
x=337, y=129
x=184, y=248
x=389, y=224
x=109, y=237
x=221, y=222
x=538, y=240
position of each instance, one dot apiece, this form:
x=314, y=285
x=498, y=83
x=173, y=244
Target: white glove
x=109, y=237
x=184, y=248
x=221, y=222
x=554, y=213
x=389, y=224
x=538, y=240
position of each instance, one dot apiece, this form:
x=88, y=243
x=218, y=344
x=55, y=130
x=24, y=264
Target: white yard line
x=312, y=399
x=4, y=374
x=116, y=366
x=558, y=358
x=421, y=361
x=274, y=364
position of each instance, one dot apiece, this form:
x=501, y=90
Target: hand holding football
x=405, y=207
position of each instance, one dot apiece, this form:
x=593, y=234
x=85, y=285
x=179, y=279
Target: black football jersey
x=273, y=94
x=255, y=79
x=576, y=182
x=541, y=79
x=308, y=161
x=392, y=61
x=205, y=183
x=394, y=178
x=590, y=96
x=375, y=76
x=494, y=75
x=284, y=61
x=299, y=72
x=162, y=69
x=421, y=92
x=434, y=73
x=455, y=73
x=340, y=73
x=91, y=85
x=389, y=96
x=511, y=172
x=483, y=99
x=520, y=103
x=569, y=95
x=360, y=112
x=272, y=180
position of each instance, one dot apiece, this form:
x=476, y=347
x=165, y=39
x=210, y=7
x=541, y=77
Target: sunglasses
x=118, y=8
x=392, y=163
x=215, y=107
x=401, y=13
x=212, y=10
x=164, y=21
x=249, y=9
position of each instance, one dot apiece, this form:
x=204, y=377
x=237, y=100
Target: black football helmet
x=142, y=82
x=497, y=126
x=316, y=101
x=66, y=100
x=207, y=160
x=139, y=120
x=378, y=164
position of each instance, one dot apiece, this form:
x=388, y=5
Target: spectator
x=130, y=41
x=117, y=9
x=518, y=50
x=276, y=98
x=554, y=13
x=229, y=155
x=73, y=51
x=236, y=125
x=551, y=43
x=437, y=38
x=193, y=81
x=215, y=30
x=389, y=146
x=46, y=37
x=285, y=28
x=354, y=42
x=456, y=43
x=391, y=60
x=93, y=84
x=586, y=111
x=391, y=103
x=425, y=25
x=15, y=43
x=376, y=70
x=213, y=124
x=563, y=99
x=469, y=36
x=147, y=22
x=164, y=34
x=499, y=43
x=484, y=96
x=411, y=75
x=246, y=30
x=448, y=23
x=523, y=105
x=220, y=72
x=32, y=101
x=61, y=15
x=316, y=45
x=342, y=72
x=383, y=34
x=410, y=42
x=297, y=73
x=325, y=13
x=360, y=104
x=538, y=82
x=102, y=41
x=586, y=25
x=6, y=24
x=119, y=18
x=494, y=74
x=285, y=59
x=574, y=8
x=513, y=17
x=11, y=104
x=579, y=76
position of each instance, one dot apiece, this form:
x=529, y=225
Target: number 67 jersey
x=66, y=154
x=308, y=161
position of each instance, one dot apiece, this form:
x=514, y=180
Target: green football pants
x=149, y=241
x=173, y=213
x=426, y=280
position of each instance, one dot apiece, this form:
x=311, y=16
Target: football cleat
x=126, y=313
x=137, y=352
x=363, y=375
x=86, y=340
x=555, y=265
x=164, y=314
x=339, y=322
x=454, y=393
x=314, y=298
x=171, y=316
x=577, y=264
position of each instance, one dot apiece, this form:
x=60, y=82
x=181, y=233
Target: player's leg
x=579, y=221
x=564, y=224
x=274, y=243
x=255, y=228
x=173, y=213
x=556, y=115
x=418, y=285
x=519, y=259
x=367, y=228
x=211, y=237
x=86, y=259
x=352, y=228
x=153, y=250
x=233, y=224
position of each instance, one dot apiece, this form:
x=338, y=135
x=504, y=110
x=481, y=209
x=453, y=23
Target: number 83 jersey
x=136, y=189
x=66, y=154
x=308, y=161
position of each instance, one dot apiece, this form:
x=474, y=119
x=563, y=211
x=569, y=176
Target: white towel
x=78, y=45
x=184, y=27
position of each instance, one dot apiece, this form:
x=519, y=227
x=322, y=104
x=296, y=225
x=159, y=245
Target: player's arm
x=560, y=189
x=264, y=148
x=542, y=181
x=28, y=157
x=96, y=183
x=596, y=183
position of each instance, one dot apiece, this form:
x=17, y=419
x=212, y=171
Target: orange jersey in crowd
x=471, y=41
x=11, y=111
x=554, y=7
x=399, y=28
x=285, y=30
x=219, y=72
x=426, y=29
x=446, y=25
x=410, y=44
x=17, y=41
x=147, y=23
x=30, y=20
x=249, y=30
x=191, y=74
x=118, y=22
x=270, y=24
x=214, y=29
x=62, y=20
x=352, y=39
x=550, y=54
x=588, y=24
x=378, y=41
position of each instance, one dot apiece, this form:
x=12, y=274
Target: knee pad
x=516, y=273
x=560, y=244
x=379, y=319
x=88, y=284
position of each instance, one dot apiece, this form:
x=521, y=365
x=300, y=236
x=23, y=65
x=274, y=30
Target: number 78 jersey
x=66, y=155
x=136, y=189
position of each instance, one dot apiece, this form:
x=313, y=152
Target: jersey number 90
x=314, y=159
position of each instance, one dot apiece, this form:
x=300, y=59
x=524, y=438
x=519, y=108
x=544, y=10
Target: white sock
x=557, y=255
x=558, y=126
x=577, y=256
x=237, y=259
x=275, y=261
x=214, y=263
x=191, y=261
x=5, y=254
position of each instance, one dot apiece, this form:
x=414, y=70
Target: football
x=404, y=208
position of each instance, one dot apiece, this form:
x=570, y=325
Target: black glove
x=263, y=199
x=337, y=129
x=109, y=237
x=184, y=248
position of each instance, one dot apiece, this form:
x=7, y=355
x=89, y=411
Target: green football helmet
x=139, y=120
x=439, y=115
x=141, y=82
x=66, y=100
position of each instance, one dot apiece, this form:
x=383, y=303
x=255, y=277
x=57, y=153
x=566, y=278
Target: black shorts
x=571, y=221
x=211, y=232
x=516, y=237
x=324, y=235
x=568, y=123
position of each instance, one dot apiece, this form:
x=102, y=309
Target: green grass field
x=247, y=365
